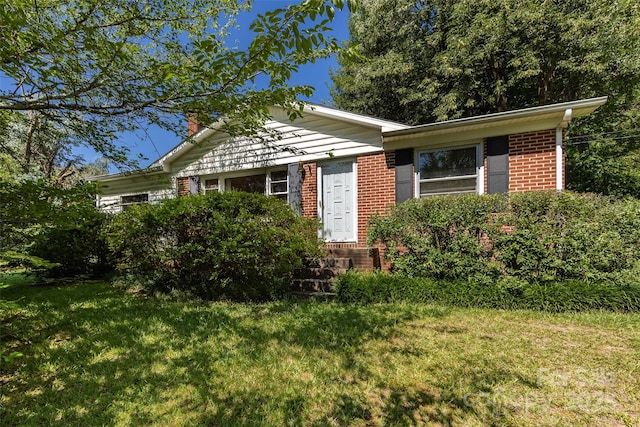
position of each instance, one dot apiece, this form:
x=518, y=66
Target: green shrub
x=220, y=245
x=443, y=237
x=76, y=245
x=51, y=230
x=569, y=236
x=537, y=237
x=508, y=293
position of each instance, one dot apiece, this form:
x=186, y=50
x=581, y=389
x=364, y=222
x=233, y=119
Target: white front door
x=337, y=202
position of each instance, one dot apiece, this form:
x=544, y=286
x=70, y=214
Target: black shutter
x=295, y=187
x=498, y=164
x=404, y=175
x=194, y=184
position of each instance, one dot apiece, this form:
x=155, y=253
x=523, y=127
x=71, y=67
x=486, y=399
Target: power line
x=603, y=135
x=589, y=141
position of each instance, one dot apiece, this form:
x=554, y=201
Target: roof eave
x=550, y=115
x=369, y=121
x=151, y=170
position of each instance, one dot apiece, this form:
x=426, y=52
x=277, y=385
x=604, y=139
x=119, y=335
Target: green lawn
x=96, y=356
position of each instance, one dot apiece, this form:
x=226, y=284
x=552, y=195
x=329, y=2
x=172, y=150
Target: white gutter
x=550, y=112
x=559, y=153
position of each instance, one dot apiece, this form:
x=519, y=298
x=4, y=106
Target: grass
x=94, y=355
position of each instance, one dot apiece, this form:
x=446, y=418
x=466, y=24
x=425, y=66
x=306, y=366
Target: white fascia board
x=525, y=120
x=368, y=121
x=151, y=170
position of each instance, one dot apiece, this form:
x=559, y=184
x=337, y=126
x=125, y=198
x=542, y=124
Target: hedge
x=535, y=237
x=233, y=245
x=512, y=294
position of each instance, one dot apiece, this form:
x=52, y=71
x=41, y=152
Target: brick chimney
x=193, y=125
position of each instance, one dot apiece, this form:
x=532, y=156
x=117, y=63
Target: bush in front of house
x=534, y=237
x=51, y=230
x=442, y=237
x=570, y=236
x=508, y=293
x=233, y=245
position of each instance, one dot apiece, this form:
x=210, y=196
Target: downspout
x=559, y=153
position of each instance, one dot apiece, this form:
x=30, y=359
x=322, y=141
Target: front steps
x=315, y=279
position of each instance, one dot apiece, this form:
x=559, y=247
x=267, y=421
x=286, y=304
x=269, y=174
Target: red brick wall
x=310, y=190
x=532, y=161
x=193, y=124
x=183, y=186
x=376, y=188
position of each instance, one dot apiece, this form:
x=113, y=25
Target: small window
x=447, y=171
x=249, y=184
x=134, y=199
x=279, y=185
x=211, y=185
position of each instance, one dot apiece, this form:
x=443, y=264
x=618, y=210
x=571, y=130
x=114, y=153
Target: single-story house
x=342, y=167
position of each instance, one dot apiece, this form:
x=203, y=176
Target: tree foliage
x=419, y=61
x=50, y=229
x=34, y=147
x=101, y=67
x=426, y=60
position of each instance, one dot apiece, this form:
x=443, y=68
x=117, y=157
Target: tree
x=419, y=61
x=427, y=60
x=34, y=146
x=99, y=67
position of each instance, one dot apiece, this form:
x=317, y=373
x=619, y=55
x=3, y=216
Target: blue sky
x=154, y=142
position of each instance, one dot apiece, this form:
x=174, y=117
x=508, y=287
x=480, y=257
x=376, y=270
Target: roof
x=401, y=135
x=151, y=170
x=527, y=119
x=311, y=109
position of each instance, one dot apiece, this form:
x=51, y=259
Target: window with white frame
x=279, y=184
x=274, y=183
x=447, y=171
x=133, y=199
x=210, y=185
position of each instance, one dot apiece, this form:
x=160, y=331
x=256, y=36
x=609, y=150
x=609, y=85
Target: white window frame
x=268, y=181
x=124, y=206
x=479, y=175
x=203, y=184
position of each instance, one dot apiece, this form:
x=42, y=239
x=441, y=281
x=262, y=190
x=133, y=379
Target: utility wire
x=571, y=141
x=602, y=135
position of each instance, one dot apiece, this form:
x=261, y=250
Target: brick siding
x=376, y=188
x=310, y=190
x=532, y=161
x=182, y=185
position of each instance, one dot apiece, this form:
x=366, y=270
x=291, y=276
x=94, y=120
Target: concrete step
x=311, y=285
x=344, y=263
x=365, y=259
x=318, y=273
